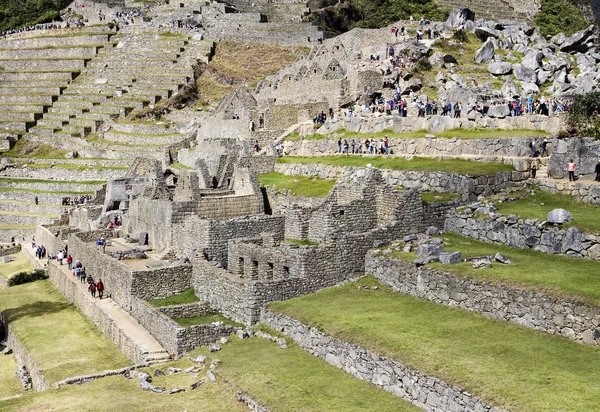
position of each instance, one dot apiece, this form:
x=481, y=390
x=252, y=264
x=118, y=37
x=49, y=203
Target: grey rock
x=578, y=42
x=425, y=260
x=173, y=371
x=572, y=240
x=429, y=249
x=533, y=59
x=510, y=88
x=485, y=53
x=242, y=334
x=224, y=340
x=484, y=33
x=176, y=390
x=188, y=370
x=432, y=231
x=499, y=68
x=143, y=239
x=458, y=18
x=499, y=111
x=479, y=264
x=530, y=88
x=199, y=359
x=524, y=74
x=409, y=238
x=158, y=373
x=558, y=39
x=213, y=347
x=559, y=216
x=158, y=389
x=197, y=384
x=450, y=258
x=448, y=58
x=502, y=259
x=211, y=376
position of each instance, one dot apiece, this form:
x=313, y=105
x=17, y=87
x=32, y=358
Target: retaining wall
x=426, y=392
x=556, y=316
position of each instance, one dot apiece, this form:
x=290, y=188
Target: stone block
x=450, y=258
x=143, y=239
x=559, y=216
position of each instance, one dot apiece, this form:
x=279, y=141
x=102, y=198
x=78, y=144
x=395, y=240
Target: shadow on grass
x=33, y=310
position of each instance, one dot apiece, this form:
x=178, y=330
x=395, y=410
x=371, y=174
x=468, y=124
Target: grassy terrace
x=289, y=379
x=187, y=296
x=460, y=166
x=431, y=197
x=299, y=185
x=21, y=213
x=60, y=339
x=72, y=166
x=507, y=365
x=20, y=264
x=126, y=395
x=585, y=216
x=10, y=384
x=73, y=182
x=576, y=279
x=7, y=226
x=454, y=133
x=51, y=192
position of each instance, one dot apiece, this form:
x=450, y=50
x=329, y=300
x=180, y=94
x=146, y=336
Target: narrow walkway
x=152, y=351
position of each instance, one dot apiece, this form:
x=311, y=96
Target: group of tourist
x=320, y=118
x=42, y=26
x=371, y=146
x=77, y=200
x=40, y=250
x=101, y=243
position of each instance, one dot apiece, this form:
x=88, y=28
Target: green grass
x=293, y=380
x=299, y=185
x=206, y=320
x=431, y=197
x=124, y=394
x=21, y=213
x=180, y=166
x=9, y=383
x=28, y=148
x=8, y=226
x=561, y=276
x=473, y=133
x=585, y=216
x=59, y=338
x=187, y=296
x=510, y=366
x=460, y=166
x=304, y=242
x=9, y=189
x=72, y=166
x=20, y=264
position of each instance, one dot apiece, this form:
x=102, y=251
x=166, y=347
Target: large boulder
x=533, y=59
x=499, y=68
x=499, y=111
x=510, y=89
x=559, y=216
x=578, y=42
x=485, y=53
x=530, y=88
x=484, y=33
x=458, y=18
x=524, y=74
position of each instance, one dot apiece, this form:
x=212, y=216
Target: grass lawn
x=28, y=148
x=288, y=379
x=20, y=264
x=303, y=242
x=453, y=133
x=49, y=181
x=187, y=296
x=460, y=166
x=585, y=216
x=21, y=213
x=9, y=382
x=60, y=339
x=51, y=192
x=205, y=320
x=117, y=393
x=8, y=226
x=577, y=279
x=299, y=185
x=510, y=366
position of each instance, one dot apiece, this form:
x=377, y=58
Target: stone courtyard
x=111, y=167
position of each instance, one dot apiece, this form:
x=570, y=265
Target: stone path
x=146, y=344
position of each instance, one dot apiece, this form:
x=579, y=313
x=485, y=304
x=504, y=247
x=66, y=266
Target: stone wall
x=43, y=236
x=556, y=316
x=426, y=392
x=584, y=151
x=162, y=282
x=160, y=326
x=187, y=310
x=441, y=182
x=70, y=289
x=9, y=249
x=588, y=192
x=22, y=356
x=519, y=233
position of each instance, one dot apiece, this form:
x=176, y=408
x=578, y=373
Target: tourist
x=597, y=179
x=544, y=147
x=256, y=147
x=70, y=262
x=386, y=145
x=36, y=200
x=345, y=146
x=571, y=169
x=100, y=287
x=339, y=145
x=60, y=257
x=93, y=288
x=33, y=242
x=83, y=277
x=533, y=169
x=457, y=109
x=532, y=147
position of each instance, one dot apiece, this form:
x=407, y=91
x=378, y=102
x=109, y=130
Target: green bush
x=15, y=14
x=461, y=35
x=558, y=16
x=26, y=277
x=584, y=115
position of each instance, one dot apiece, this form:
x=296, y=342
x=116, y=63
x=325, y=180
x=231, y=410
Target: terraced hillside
x=66, y=90
x=487, y=9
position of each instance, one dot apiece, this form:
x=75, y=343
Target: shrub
x=461, y=36
x=558, y=16
x=422, y=65
x=26, y=277
x=584, y=115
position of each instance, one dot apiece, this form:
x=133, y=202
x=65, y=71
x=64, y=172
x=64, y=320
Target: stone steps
x=43, y=64
x=20, y=115
x=82, y=51
x=142, y=139
x=47, y=90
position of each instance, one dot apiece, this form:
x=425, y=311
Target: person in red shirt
x=100, y=287
x=70, y=262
